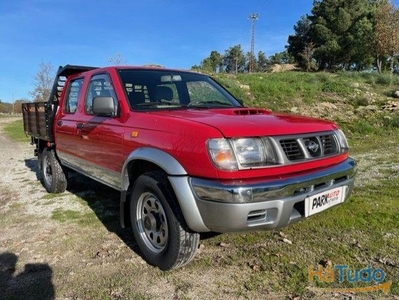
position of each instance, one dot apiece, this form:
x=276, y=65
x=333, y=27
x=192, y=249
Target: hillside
x=359, y=102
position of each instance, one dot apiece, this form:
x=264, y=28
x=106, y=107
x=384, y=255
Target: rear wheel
x=158, y=223
x=53, y=177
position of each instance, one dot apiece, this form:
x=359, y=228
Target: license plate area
x=324, y=200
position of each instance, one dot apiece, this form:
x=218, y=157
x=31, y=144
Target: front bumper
x=266, y=205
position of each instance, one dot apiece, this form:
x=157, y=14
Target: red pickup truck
x=186, y=156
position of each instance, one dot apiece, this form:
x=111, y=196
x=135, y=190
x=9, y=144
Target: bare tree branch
x=43, y=82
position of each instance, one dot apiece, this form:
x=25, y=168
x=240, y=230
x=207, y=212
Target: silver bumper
x=265, y=205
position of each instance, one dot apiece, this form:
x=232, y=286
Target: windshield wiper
x=208, y=104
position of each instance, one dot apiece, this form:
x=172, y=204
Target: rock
x=391, y=105
x=366, y=109
x=328, y=105
x=325, y=263
x=287, y=241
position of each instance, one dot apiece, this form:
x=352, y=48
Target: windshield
x=166, y=89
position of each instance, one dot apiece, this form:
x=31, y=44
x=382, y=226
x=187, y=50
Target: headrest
x=165, y=93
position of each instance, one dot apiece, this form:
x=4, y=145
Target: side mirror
x=104, y=106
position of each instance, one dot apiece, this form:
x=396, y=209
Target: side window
x=99, y=86
x=72, y=97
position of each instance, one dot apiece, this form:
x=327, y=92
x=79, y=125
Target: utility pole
x=252, y=18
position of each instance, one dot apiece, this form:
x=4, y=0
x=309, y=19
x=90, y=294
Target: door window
x=100, y=86
x=72, y=97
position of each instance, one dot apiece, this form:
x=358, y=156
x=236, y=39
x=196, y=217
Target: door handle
x=59, y=122
x=80, y=125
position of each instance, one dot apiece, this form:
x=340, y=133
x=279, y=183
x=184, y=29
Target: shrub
x=336, y=87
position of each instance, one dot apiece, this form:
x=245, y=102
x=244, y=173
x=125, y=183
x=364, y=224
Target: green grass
x=277, y=90
x=82, y=218
x=15, y=131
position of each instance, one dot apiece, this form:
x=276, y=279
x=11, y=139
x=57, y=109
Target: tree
x=386, y=33
x=281, y=58
x=5, y=108
x=117, y=60
x=297, y=43
x=43, y=82
x=234, y=60
x=213, y=63
x=341, y=31
x=17, y=106
x=250, y=62
x=363, y=44
x=307, y=55
x=263, y=62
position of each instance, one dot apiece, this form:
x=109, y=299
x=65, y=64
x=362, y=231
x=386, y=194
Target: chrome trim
x=267, y=205
x=271, y=189
x=91, y=170
x=279, y=155
x=300, y=140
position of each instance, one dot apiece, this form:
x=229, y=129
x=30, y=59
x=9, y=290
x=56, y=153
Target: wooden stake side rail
x=36, y=117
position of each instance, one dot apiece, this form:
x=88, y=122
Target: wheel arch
x=138, y=162
x=148, y=159
x=151, y=158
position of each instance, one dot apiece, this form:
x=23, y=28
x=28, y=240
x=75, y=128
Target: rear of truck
x=38, y=123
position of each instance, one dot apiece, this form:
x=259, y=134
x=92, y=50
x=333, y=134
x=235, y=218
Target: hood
x=239, y=122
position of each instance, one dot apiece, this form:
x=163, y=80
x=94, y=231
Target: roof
x=68, y=70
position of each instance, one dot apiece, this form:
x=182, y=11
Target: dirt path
x=40, y=251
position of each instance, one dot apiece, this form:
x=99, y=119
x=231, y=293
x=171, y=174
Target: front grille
x=313, y=146
x=329, y=145
x=292, y=149
x=308, y=146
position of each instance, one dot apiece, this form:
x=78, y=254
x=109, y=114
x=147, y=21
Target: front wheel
x=158, y=223
x=53, y=177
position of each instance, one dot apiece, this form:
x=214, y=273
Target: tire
x=53, y=177
x=158, y=224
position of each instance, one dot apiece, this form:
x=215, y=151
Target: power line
x=252, y=18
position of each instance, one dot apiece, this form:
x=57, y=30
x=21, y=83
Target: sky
x=172, y=33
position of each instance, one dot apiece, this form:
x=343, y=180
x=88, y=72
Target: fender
x=178, y=178
x=158, y=157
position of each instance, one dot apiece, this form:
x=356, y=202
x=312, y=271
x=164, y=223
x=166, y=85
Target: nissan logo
x=313, y=146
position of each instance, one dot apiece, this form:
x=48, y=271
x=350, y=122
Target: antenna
x=252, y=18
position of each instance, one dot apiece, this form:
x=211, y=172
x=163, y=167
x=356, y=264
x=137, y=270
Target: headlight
x=249, y=151
x=241, y=153
x=222, y=154
x=343, y=142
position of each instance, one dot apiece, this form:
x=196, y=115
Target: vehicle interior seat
x=163, y=93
